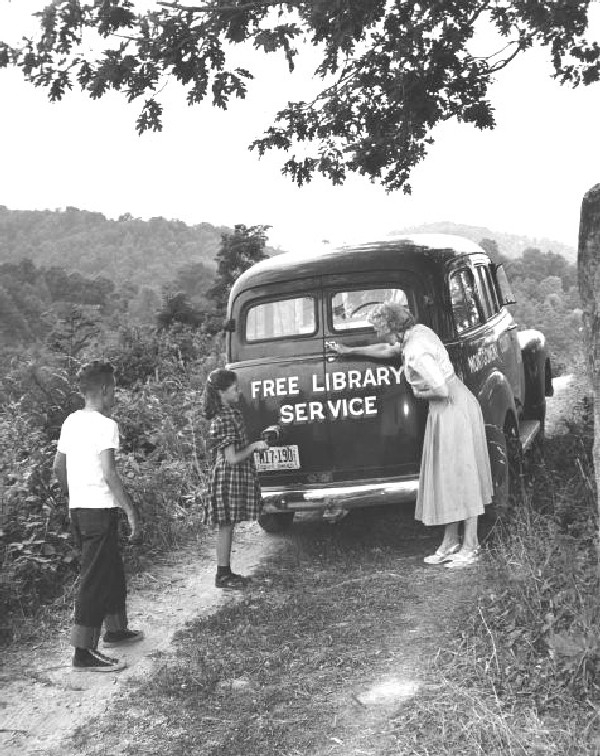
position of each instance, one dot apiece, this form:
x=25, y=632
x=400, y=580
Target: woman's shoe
x=442, y=555
x=463, y=559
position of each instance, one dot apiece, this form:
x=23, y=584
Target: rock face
x=588, y=264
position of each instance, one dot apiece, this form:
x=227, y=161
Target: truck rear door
x=277, y=352
x=375, y=423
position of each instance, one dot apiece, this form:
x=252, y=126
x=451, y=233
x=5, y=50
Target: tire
x=499, y=464
x=535, y=454
x=514, y=450
x=506, y=461
x=272, y=522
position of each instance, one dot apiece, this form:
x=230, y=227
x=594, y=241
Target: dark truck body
x=349, y=432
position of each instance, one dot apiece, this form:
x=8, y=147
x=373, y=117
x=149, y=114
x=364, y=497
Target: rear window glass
x=350, y=309
x=281, y=318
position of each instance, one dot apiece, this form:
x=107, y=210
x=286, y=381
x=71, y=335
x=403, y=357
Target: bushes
x=536, y=636
x=162, y=458
x=36, y=557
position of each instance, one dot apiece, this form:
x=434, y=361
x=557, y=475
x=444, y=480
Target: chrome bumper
x=348, y=496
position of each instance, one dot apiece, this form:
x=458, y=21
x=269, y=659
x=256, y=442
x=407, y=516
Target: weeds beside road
x=351, y=645
x=335, y=636
x=348, y=644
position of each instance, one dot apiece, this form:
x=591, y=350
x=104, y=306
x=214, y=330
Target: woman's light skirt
x=456, y=479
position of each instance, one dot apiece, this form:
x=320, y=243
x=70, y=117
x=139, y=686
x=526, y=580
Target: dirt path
x=43, y=700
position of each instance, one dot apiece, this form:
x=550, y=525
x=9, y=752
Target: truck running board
x=528, y=430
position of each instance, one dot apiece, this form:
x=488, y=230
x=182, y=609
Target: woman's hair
x=219, y=380
x=93, y=376
x=397, y=317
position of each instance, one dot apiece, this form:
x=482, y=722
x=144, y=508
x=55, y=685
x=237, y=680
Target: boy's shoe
x=463, y=559
x=111, y=659
x=92, y=661
x=442, y=555
x=122, y=637
x=231, y=581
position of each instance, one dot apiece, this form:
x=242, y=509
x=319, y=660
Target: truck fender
x=537, y=373
x=496, y=400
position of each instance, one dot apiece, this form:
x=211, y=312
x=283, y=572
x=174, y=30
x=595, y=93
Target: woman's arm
x=370, y=350
x=432, y=384
x=233, y=457
x=435, y=392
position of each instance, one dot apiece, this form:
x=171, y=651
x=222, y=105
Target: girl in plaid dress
x=234, y=494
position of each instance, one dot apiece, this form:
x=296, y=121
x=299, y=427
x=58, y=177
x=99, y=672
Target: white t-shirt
x=83, y=436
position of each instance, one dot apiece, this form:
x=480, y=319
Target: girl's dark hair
x=218, y=380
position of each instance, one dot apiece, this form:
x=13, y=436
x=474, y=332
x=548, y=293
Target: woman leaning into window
x=455, y=482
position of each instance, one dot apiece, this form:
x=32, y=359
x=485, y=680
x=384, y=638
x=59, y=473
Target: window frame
x=487, y=292
x=272, y=300
x=459, y=269
x=330, y=294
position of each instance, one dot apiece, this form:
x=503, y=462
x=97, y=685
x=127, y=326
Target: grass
x=292, y=667
x=349, y=645
x=502, y=660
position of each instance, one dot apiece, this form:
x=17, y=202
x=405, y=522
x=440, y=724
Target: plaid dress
x=234, y=494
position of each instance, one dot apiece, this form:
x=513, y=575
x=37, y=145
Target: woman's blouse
x=426, y=361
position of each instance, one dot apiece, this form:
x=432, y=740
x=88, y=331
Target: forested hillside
x=545, y=287
x=144, y=252
x=512, y=245
x=150, y=298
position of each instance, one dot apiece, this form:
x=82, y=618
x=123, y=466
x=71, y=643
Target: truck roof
x=413, y=249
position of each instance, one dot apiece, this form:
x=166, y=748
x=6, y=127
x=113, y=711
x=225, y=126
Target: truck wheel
x=275, y=522
x=499, y=464
x=535, y=454
x=504, y=449
x=514, y=451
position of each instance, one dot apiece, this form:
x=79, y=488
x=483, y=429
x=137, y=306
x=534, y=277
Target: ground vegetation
x=347, y=645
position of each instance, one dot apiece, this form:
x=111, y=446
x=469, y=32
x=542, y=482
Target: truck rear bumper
x=340, y=496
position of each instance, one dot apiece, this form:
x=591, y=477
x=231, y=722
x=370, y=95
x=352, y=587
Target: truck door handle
x=512, y=327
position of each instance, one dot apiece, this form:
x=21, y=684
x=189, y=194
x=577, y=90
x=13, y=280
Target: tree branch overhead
x=391, y=70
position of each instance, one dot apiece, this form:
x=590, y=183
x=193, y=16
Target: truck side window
x=491, y=288
x=485, y=291
x=350, y=309
x=465, y=308
x=281, y=318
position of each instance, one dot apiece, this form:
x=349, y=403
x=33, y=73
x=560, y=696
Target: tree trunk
x=588, y=266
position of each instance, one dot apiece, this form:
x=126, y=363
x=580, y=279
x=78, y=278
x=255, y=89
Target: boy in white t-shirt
x=85, y=469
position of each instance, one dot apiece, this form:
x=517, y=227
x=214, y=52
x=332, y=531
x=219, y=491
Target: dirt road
x=43, y=700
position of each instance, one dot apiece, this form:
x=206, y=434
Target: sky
x=527, y=176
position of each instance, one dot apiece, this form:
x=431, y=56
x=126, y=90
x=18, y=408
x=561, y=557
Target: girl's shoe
x=442, y=555
x=231, y=581
x=463, y=559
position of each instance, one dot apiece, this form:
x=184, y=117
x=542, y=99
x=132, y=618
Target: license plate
x=278, y=458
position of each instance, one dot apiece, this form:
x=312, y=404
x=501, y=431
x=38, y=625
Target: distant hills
x=129, y=249
x=510, y=245
x=151, y=252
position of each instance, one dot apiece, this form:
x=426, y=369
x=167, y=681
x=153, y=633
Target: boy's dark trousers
x=102, y=591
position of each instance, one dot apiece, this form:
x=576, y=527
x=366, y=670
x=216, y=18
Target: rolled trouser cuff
x=85, y=637
x=117, y=621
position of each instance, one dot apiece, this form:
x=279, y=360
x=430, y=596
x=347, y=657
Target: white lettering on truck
x=334, y=382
